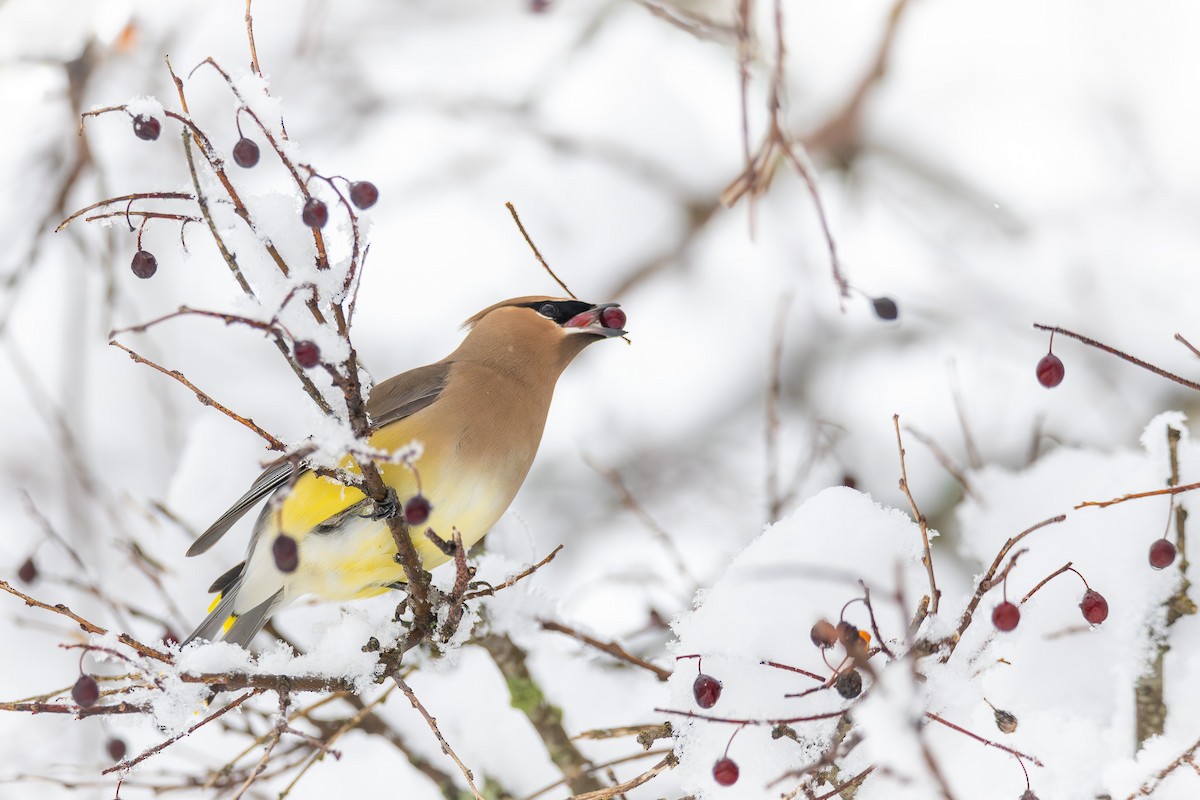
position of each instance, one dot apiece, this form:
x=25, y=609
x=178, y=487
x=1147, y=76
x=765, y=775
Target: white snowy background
x=1020, y=162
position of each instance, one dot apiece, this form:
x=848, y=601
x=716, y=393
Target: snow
x=1019, y=163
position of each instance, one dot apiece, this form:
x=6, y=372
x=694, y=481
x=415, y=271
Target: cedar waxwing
x=478, y=415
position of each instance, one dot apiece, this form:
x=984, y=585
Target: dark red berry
x=147, y=128
x=287, y=554
x=885, y=308
x=707, y=690
x=169, y=638
x=1006, y=616
x=613, y=318
x=725, y=771
x=315, y=213
x=1028, y=795
x=144, y=264
x=308, y=355
x=849, y=481
x=86, y=691
x=364, y=194
x=1094, y=607
x=116, y=749
x=539, y=6
x=1162, y=554
x=1050, y=371
x=849, y=684
x=28, y=572
x=823, y=634
x=245, y=153
x=416, y=510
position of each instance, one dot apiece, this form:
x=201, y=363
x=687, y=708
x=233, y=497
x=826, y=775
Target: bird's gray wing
x=390, y=401
x=407, y=393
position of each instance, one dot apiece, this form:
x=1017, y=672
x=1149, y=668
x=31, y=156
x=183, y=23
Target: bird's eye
x=548, y=310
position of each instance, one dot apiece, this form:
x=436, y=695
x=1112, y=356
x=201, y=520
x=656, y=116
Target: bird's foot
x=389, y=508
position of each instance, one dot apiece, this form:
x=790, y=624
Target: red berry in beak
x=613, y=318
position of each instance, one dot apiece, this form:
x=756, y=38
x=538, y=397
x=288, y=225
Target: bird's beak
x=604, y=320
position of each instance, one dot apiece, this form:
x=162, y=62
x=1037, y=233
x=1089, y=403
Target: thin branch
x=1044, y=580
x=944, y=459
x=158, y=748
x=927, y=556
x=122, y=199
x=205, y=399
x=612, y=648
x=989, y=580
x=1187, y=487
x=90, y=627
x=1031, y=759
x=774, y=390
x=513, y=210
x=669, y=761
x=250, y=36
x=1150, y=785
x=1162, y=373
x=432, y=723
x=525, y=573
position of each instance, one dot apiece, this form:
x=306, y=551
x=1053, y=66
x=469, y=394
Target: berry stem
x=1051, y=577
x=730, y=742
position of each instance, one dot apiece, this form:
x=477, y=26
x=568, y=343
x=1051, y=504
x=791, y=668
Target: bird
x=478, y=416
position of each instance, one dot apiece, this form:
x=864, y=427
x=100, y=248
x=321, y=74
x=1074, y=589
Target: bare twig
x=989, y=580
x=774, y=390
x=1187, y=487
x=988, y=742
x=1044, y=580
x=612, y=648
x=90, y=627
x=205, y=399
x=513, y=210
x=525, y=573
x=250, y=37
x=668, y=762
x=944, y=459
x=1150, y=785
x=124, y=199
x=432, y=723
x=927, y=557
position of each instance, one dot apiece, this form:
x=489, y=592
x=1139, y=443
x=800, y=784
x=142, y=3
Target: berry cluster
x=1007, y=615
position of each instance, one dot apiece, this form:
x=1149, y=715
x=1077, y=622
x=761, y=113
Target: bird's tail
x=230, y=626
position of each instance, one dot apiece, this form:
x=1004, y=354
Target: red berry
x=1050, y=371
x=885, y=308
x=315, y=213
x=823, y=634
x=707, y=690
x=144, y=264
x=416, y=510
x=1006, y=616
x=147, y=128
x=245, y=153
x=1094, y=607
x=613, y=318
x=308, y=355
x=86, y=691
x=725, y=771
x=28, y=572
x=1028, y=795
x=849, y=684
x=286, y=553
x=1162, y=554
x=116, y=749
x=169, y=638
x=364, y=194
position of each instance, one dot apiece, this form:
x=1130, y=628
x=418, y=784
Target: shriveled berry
x=245, y=153
x=1050, y=371
x=147, y=128
x=885, y=308
x=823, y=634
x=286, y=553
x=1162, y=554
x=1006, y=722
x=308, y=355
x=116, y=749
x=315, y=213
x=144, y=264
x=613, y=318
x=28, y=572
x=364, y=194
x=707, y=690
x=849, y=684
x=1094, y=607
x=1028, y=795
x=1006, y=616
x=85, y=692
x=416, y=510
x=725, y=771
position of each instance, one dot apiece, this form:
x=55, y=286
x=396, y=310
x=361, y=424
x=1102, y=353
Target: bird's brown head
x=540, y=331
